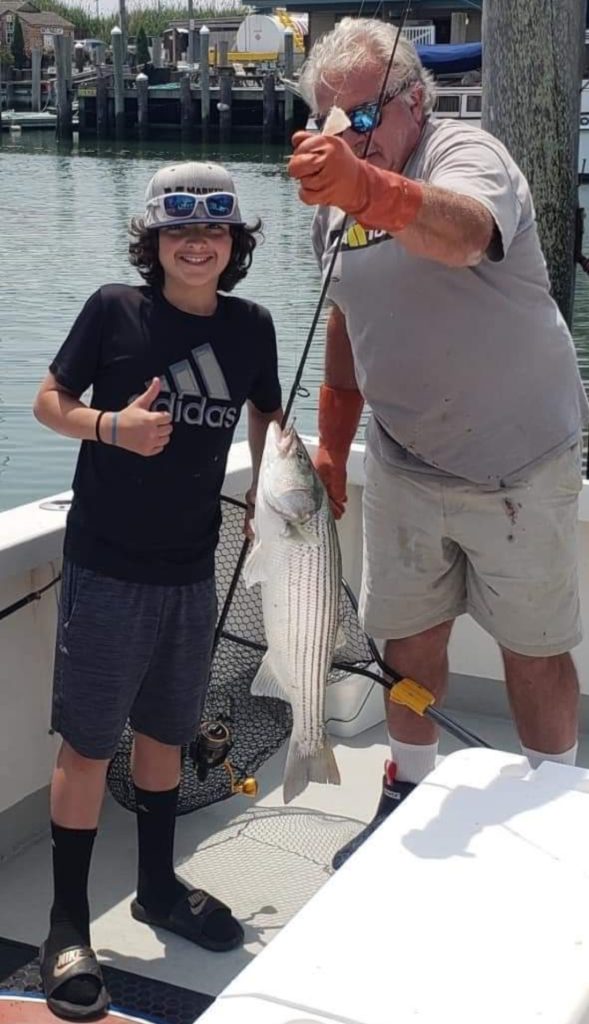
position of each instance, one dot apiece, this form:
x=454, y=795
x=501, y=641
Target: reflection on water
x=64, y=233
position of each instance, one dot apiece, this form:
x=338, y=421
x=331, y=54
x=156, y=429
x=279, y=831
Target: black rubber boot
x=393, y=793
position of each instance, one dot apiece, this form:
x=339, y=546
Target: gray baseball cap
x=178, y=194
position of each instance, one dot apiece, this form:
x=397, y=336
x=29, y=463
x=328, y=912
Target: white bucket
x=354, y=704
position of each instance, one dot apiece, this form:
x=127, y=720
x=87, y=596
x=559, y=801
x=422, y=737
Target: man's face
x=396, y=136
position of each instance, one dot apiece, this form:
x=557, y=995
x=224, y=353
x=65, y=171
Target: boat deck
x=265, y=859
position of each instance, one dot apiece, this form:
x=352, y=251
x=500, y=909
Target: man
x=442, y=322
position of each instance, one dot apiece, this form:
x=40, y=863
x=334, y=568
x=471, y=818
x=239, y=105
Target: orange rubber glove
x=339, y=415
x=330, y=175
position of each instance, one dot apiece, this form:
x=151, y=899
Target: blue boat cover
x=444, y=59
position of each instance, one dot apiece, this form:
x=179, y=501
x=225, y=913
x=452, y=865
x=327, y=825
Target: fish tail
x=303, y=768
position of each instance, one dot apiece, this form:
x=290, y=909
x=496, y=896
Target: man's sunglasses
x=217, y=205
x=364, y=118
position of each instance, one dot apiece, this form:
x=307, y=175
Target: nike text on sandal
x=198, y=917
x=61, y=967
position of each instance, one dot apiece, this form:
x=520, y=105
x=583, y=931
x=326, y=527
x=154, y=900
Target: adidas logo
x=194, y=391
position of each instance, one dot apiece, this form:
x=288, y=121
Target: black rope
x=35, y=595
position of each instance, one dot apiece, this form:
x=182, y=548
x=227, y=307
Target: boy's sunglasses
x=364, y=118
x=176, y=205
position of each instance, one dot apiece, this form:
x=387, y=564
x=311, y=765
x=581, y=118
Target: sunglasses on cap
x=177, y=205
x=366, y=117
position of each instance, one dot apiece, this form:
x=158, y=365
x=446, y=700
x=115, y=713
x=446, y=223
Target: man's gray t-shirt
x=468, y=371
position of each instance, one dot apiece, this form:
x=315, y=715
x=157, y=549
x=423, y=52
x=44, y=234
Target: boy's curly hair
x=143, y=253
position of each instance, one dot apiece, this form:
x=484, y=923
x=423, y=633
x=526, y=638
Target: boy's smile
x=193, y=257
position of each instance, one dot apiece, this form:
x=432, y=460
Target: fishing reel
x=210, y=749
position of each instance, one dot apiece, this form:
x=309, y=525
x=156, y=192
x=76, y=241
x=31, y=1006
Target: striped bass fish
x=296, y=558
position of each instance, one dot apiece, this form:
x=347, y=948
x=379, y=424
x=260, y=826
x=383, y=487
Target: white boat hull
x=30, y=555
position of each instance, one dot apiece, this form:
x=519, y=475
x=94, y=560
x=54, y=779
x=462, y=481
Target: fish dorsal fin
x=266, y=683
x=255, y=570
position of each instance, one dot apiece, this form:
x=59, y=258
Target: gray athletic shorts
x=130, y=651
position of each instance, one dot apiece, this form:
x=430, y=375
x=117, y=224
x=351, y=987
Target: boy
x=171, y=364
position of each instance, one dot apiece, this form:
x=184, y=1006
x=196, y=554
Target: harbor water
x=65, y=210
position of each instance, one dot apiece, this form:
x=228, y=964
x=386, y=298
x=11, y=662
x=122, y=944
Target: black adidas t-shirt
x=156, y=519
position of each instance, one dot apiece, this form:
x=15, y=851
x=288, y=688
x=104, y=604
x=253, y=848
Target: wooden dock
x=200, y=101
x=255, y=110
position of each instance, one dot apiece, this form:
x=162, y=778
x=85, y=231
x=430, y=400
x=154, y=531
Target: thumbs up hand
x=139, y=430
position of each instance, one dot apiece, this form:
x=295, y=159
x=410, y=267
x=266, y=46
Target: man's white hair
x=360, y=43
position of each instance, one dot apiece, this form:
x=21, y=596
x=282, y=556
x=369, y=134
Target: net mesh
x=259, y=725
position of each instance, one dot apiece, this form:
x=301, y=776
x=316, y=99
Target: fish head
x=290, y=483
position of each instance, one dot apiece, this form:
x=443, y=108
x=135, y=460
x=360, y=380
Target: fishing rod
x=35, y=595
x=402, y=691
x=296, y=385
x=340, y=235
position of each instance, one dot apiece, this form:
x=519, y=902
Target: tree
x=18, y=45
x=142, y=52
x=6, y=58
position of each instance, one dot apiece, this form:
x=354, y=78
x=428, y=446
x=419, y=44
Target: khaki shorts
x=434, y=549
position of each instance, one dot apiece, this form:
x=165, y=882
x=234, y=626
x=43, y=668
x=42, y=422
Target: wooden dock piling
x=116, y=38
x=64, y=105
x=69, y=61
x=191, y=34
x=186, y=108
x=79, y=56
x=268, y=107
x=225, y=103
x=205, y=96
x=36, y=78
x=142, y=83
x=123, y=25
x=288, y=73
x=101, y=103
x=223, y=51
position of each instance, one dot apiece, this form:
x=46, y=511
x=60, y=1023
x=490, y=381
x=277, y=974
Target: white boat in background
x=464, y=103
x=498, y=854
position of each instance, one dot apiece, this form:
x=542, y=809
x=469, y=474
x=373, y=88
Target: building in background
x=38, y=26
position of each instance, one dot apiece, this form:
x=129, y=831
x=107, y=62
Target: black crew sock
x=70, y=914
x=158, y=889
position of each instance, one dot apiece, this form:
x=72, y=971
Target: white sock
x=535, y=757
x=413, y=760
